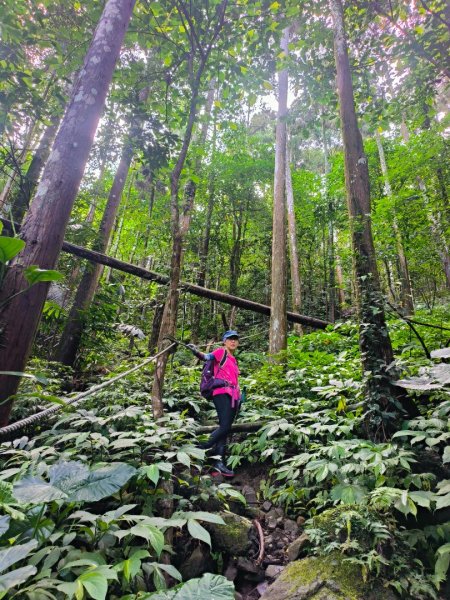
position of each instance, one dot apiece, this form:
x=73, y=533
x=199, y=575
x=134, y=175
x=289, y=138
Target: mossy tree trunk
x=374, y=341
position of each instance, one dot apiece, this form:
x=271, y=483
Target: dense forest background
x=292, y=154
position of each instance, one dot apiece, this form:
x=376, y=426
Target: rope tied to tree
x=4, y=431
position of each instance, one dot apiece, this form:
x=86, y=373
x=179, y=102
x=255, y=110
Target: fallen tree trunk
x=239, y=428
x=191, y=288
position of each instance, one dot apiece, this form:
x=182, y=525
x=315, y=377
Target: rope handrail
x=4, y=431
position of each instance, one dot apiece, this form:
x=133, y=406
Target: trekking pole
x=175, y=341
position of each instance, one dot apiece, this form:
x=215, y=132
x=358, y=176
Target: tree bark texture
x=71, y=336
x=374, y=341
x=407, y=300
x=44, y=227
x=278, y=321
x=293, y=249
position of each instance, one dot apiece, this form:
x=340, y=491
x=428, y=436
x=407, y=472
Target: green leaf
x=198, y=532
x=209, y=587
x=446, y=455
x=33, y=274
x=95, y=584
x=153, y=473
x=201, y=516
x=171, y=570
x=443, y=501
x=72, y=481
x=184, y=459
x=150, y=533
x=348, y=493
x=9, y=556
x=422, y=498
x=4, y=524
x=9, y=248
x=71, y=588
x=38, y=378
x=15, y=578
x=442, y=563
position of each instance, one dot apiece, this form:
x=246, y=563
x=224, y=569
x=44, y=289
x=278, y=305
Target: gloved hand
x=195, y=351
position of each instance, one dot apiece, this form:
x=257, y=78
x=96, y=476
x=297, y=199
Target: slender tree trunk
x=236, y=251
x=331, y=255
x=278, y=303
x=4, y=194
x=404, y=129
x=204, y=244
x=156, y=326
x=21, y=200
x=180, y=224
x=436, y=231
x=118, y=228
x=71, y=336
x=407, y=300
x=390, y=286
x=19, y=159
x=339, y=276
x=374, y=340
x=44, y=227
x=292, y=238
x=443, y=192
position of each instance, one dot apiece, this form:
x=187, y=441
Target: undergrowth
x=86, y=504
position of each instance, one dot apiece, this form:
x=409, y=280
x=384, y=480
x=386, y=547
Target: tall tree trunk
x=44, y=227
x=374, y=340
x=21, y=200
x=339, y=276
x=180, y=223
x=443, y=192
x=292, y=238
x=407, y=300
x=71, y=336
x=204, y=244
x=331, y=254
x=278, y=303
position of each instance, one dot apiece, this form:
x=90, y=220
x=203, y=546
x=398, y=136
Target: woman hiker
x=226, y=398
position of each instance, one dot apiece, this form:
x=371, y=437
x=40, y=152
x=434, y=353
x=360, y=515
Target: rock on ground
x=324, y=578
x=233, y=537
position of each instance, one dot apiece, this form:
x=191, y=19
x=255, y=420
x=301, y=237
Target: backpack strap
x=223, y=359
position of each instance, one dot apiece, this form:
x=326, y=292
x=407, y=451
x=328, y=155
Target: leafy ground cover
x=95, y=505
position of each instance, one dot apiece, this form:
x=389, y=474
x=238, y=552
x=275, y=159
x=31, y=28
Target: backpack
x=208, y=382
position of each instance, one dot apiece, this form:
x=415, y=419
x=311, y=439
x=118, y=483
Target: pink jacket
x=229, y=372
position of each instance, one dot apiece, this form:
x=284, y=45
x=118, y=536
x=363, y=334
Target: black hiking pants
x=226, y=414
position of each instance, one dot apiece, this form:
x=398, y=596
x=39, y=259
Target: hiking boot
x=221, y=469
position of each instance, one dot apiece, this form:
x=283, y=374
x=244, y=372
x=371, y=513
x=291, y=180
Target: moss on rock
x=233, y=537
x=324, y=578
